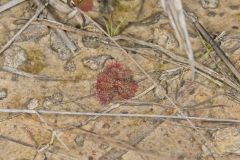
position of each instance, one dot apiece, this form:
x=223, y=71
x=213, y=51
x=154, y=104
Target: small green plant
x=111, y=29
x=208, y=47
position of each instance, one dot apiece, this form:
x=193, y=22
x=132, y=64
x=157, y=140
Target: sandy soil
x=68, y=83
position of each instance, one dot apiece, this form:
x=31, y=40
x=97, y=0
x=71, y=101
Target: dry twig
x=155, y=116
x=61, y=26
x=30, y=75
x=10, y=4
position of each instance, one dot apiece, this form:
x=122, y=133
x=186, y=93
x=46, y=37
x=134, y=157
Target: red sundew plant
x=86, y=5
x=115, y=82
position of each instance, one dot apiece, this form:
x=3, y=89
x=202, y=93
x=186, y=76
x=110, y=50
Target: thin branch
x=85, y=122
x=30, y=75
x=144, y=92
x=10, y=4
x=58, y=25
x=16, y=141
x=27, y=111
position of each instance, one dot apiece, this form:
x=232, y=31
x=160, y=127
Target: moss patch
x=35, y=61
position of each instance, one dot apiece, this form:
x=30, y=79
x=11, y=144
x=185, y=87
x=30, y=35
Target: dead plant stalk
x=154, y=116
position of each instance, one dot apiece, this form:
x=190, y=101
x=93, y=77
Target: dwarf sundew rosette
x=115, y=82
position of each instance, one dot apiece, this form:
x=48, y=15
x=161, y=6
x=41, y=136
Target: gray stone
x=159, y=92
x=212, y=14
x=32, y=103
x=47, y=102
x=209, y=3
x=57, y=98
x=79, y=140
x=97, y=62
x=70, y=66
x=14, y=57
x=59, y=47
x=91, y=42
x=104, y=146
x=3, y=93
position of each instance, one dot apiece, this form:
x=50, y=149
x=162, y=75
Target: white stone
x=32, y=103
x=3, y=93
x=209, y=3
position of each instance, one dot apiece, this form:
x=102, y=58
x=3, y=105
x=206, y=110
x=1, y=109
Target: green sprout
x=208, y=47
x=111, y=30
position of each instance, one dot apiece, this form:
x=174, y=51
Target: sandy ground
x=69, y=84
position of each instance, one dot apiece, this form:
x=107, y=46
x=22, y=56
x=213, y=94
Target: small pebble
x=97, y=62
x=103, y=146
x=57, y=98
x=47, y=102
x=209, y=3
x=221, y=14
x=79, y=140
x=212, y=14
x=106, y=126
x=70, y=66
x=14, y=57
x=3, y=93
x=235, y=27
x=58, y=46
x=234, y=7
x=32, y=103
x=91, y=42
x=124, y=112
x=159, y=92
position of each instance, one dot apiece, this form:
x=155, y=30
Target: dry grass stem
x=10, y=4
x=96, y=115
